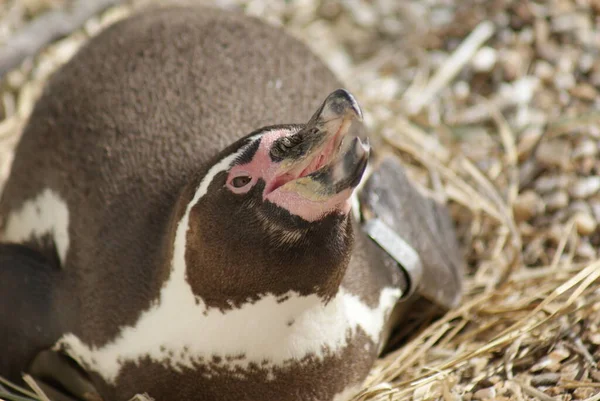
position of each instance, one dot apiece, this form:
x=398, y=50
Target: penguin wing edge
x=422, y=223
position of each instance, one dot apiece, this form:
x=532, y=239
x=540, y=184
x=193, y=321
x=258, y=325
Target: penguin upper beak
x=321, y=136
x=315, y=162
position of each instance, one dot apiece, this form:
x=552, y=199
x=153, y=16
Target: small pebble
x=585, y=187
x=462, y=90
x=586, y=251
x=548, y=183
x=528, y=139
x=544, y=70
x=545, y=379
x=556, y=232
x=584, y=91
x=585, y=223
x=527, y=205
x=556, y=153
x=362, y=13
x=586, y=61
x=524, y=89
x=485, y=394
x=15, y=79
x=485, y=59
x=559, y=354
x=556, y=200
x=595, y=339
x=564, y=80
x=585, y=148
x=512, y=64
x=579, y=206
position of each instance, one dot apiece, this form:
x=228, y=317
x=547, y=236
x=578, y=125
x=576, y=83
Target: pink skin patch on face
x=275, y=177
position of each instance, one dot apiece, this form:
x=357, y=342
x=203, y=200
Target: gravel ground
x=493, y=105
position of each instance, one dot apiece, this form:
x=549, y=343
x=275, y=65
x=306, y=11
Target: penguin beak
x=318, y=162
x=345, y=172
x=321, y=136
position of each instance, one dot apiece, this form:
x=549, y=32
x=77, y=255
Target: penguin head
x=271, y=215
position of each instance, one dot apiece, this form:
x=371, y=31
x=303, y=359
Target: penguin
x=178, y=221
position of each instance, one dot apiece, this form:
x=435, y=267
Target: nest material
x=493, y=105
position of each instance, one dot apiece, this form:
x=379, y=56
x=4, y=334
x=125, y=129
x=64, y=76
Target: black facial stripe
x=249, y=153
x=247, y=156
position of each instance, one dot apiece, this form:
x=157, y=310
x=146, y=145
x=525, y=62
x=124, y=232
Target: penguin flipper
x=29, y=320
x=58, y=375
x=421, y=222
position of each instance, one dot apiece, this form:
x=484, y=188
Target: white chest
x=179, y=332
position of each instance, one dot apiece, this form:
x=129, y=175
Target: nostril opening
x=292, y=146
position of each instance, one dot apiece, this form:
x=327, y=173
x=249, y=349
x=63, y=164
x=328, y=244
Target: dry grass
x=491, y=105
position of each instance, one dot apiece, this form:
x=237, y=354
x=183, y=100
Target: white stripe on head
x=179, y=330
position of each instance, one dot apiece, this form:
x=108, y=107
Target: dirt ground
x=494, y=106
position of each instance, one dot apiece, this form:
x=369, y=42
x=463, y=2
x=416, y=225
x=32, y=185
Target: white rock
x=485, y=59
x=585, y=148
x=524, y=89
x=585, y=187
x=462, y=90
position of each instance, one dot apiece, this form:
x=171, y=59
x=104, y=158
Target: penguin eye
x=241, y=181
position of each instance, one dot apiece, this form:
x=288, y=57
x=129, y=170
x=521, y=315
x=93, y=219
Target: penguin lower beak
x=319, y=163
x=345, y=172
